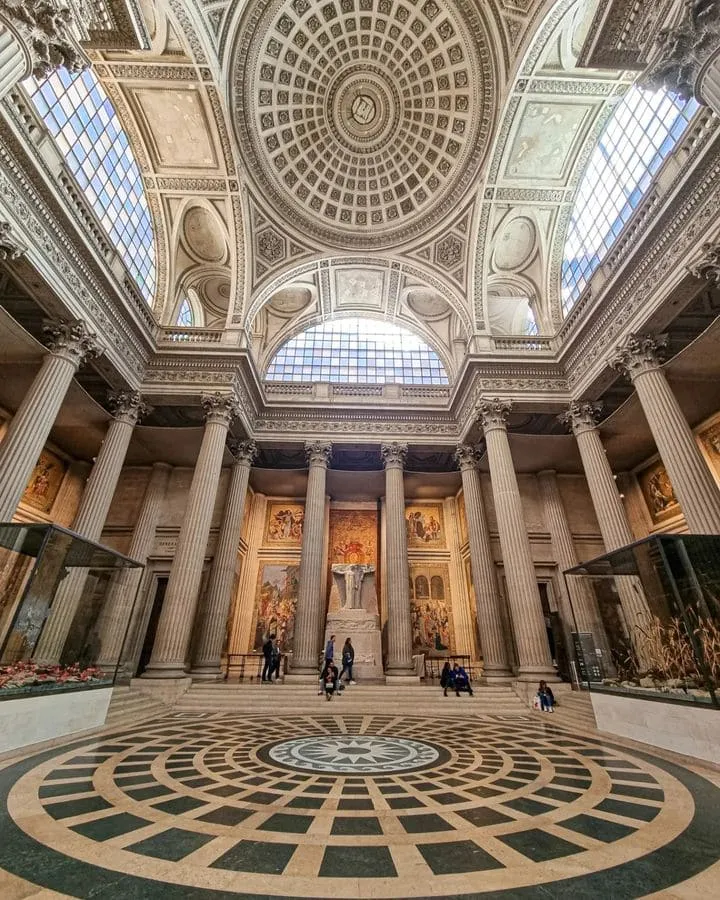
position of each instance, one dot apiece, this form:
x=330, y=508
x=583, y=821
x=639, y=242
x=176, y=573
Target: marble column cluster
x=172, y=642
x=69, y=343
x=528, y=621
x=399, y=631
x=310, y=610
x=487, y=596
x=639, y=357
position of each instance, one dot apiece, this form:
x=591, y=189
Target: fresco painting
x=658, y=493
x=45, y=481
x=284, y=524
x=425, y=525
x=275, y=603
x=433, y=631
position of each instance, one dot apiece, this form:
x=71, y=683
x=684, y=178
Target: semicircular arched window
x=364, y=351
x=87, y=131
x=641, y=133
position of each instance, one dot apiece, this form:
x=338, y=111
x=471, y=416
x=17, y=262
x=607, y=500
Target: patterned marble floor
x=349, y=806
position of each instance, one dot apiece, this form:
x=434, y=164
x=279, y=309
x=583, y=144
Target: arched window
x=437, y=588
x=362, y=351
x=185, y=318
x=88, y=133
x=641, y=133
x=422, y=588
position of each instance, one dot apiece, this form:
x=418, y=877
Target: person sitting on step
x=446, y=678
x=329, y=679
x=461, y=681
x=546, y=697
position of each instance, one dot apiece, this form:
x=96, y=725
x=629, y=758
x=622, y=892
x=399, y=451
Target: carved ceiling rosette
x=364, y=122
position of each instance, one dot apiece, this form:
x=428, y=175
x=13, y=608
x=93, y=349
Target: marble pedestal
x=363, y=629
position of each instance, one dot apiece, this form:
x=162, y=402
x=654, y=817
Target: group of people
x=330, y=678
x=456, y=679
x=272, y=659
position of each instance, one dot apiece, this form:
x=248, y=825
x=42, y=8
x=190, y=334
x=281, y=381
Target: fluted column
x=121, y=601
x=699, y=496
x=399, y=626
x=581, y=418
x=523, y=595
x=127, y=407
x=69, y=344
x=172, y=641
x=584, y=605
x=487, y=597
x=311, y=594
x=212, y=621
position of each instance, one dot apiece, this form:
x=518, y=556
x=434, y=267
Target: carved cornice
x=708, y=266
x=10, y=247
x=220, y=409
x=71, y=341
x=638, y=353
x=493, y=412
x=47, y=31
x=318, y=453
x=393, y=455
x=581, y=415
x=128, y=406
x=466, y=457
x=243, y=452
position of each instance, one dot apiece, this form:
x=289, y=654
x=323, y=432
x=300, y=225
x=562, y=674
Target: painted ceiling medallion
x=363, y=121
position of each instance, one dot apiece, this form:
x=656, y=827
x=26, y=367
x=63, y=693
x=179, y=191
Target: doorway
x=157, y=604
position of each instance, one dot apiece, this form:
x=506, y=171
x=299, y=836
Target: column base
x=168, y=670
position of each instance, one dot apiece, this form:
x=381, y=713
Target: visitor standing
x=348, y=657
x=330, y=649
x=446, y=678
x=276, y=660
x=267, y=654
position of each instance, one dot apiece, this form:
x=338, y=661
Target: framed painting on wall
x=45, y=481
x=433, y=630
x=353, y=536
x=425, y=525
x=658, y=493
x=275, y=603
x=284, y=523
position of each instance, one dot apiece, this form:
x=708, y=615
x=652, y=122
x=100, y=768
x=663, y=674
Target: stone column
x=69, y=344
x=175, y=626
x=399, y=626
x=584, y=605
x=581, y=417
x=214, y=615
x=121, y=602
x=528, y=621
x=311, y=592
x=127, y=407
x=699, y=496
x=487, y=597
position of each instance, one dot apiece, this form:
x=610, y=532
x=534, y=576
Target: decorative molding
x=467, y=457
x=581, y=415
x=493, y=412
x=638, y=353
x=708, y=266
x=393, y=455
x=243, y=452
x=128, y=406
x=10, y=247
x=72, y=340
x=220, y=408
x=318, y=453
x=48, y=31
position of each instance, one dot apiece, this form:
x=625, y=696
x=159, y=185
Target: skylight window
x=360, y=351
x=641, y=133
x=186, y=318
x=88, y=133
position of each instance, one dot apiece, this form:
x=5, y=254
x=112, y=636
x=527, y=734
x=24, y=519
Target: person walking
x=348, y=657
x=268, y=663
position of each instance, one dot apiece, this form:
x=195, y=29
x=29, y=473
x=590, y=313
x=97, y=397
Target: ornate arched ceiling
x=363, y=122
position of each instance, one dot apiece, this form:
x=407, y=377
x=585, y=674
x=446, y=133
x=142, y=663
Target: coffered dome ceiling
x=363, y=122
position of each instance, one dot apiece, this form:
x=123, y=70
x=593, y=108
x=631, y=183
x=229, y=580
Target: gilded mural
x=433, y=631
x=45, y=481
x=353, y=536
x=425, y=525
x=275, y=602
x=710, y=438
x=284, y=523
x=658, y=492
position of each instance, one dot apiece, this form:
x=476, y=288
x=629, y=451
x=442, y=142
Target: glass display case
x=65, y=608
x=658, y=614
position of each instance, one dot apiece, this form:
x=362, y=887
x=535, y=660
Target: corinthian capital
x=244, y=452
x=318, y=453
x=466, y=457
x=708, y=266
x=638, y=353
x=10, y=246
x=46, y=30
x=128, y=406
x=219, y=408
x=681, y=52
x=581, y=415
x=493, y=412
x=71, y=340
x=393, y=455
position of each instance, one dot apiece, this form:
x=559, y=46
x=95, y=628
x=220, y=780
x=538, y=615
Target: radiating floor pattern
x=350, y=806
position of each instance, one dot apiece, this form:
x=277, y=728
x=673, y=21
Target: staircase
x=129, y=705
x=303, y=699
x=574, y=711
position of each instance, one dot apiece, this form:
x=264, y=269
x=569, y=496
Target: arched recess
x=512, y=307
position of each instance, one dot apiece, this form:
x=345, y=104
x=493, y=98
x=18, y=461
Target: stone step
x=128, y=705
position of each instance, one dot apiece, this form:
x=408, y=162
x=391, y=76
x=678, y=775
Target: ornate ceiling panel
x=363, y=121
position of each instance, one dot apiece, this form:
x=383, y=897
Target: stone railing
x=524, y=343
x=190, y=335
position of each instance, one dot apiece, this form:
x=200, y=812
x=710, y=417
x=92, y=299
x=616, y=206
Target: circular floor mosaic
x=354, y=806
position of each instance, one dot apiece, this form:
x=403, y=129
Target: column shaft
x=213, y=622
x=495, y=661
x=311, y=595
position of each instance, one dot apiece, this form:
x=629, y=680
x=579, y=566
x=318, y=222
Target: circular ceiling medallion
x=363, y=122
x=354, y=753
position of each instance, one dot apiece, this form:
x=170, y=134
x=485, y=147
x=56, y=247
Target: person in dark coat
x=268, y=664
x=461, y=680
x=546, y=696
x=446, y=678
x=348, y=657
x=276, y=660
x=329, y=679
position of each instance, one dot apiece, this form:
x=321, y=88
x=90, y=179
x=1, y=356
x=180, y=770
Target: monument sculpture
x=354, y=614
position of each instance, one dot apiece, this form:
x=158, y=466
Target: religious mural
x=425, y=525
x=284, y=523
x=658, y=492
x=710, y=438
x=276, y=599
x=433, y=631
x=45, y=481
x=353, y=536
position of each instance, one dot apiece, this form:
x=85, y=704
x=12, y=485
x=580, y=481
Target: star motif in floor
x=352, y=753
